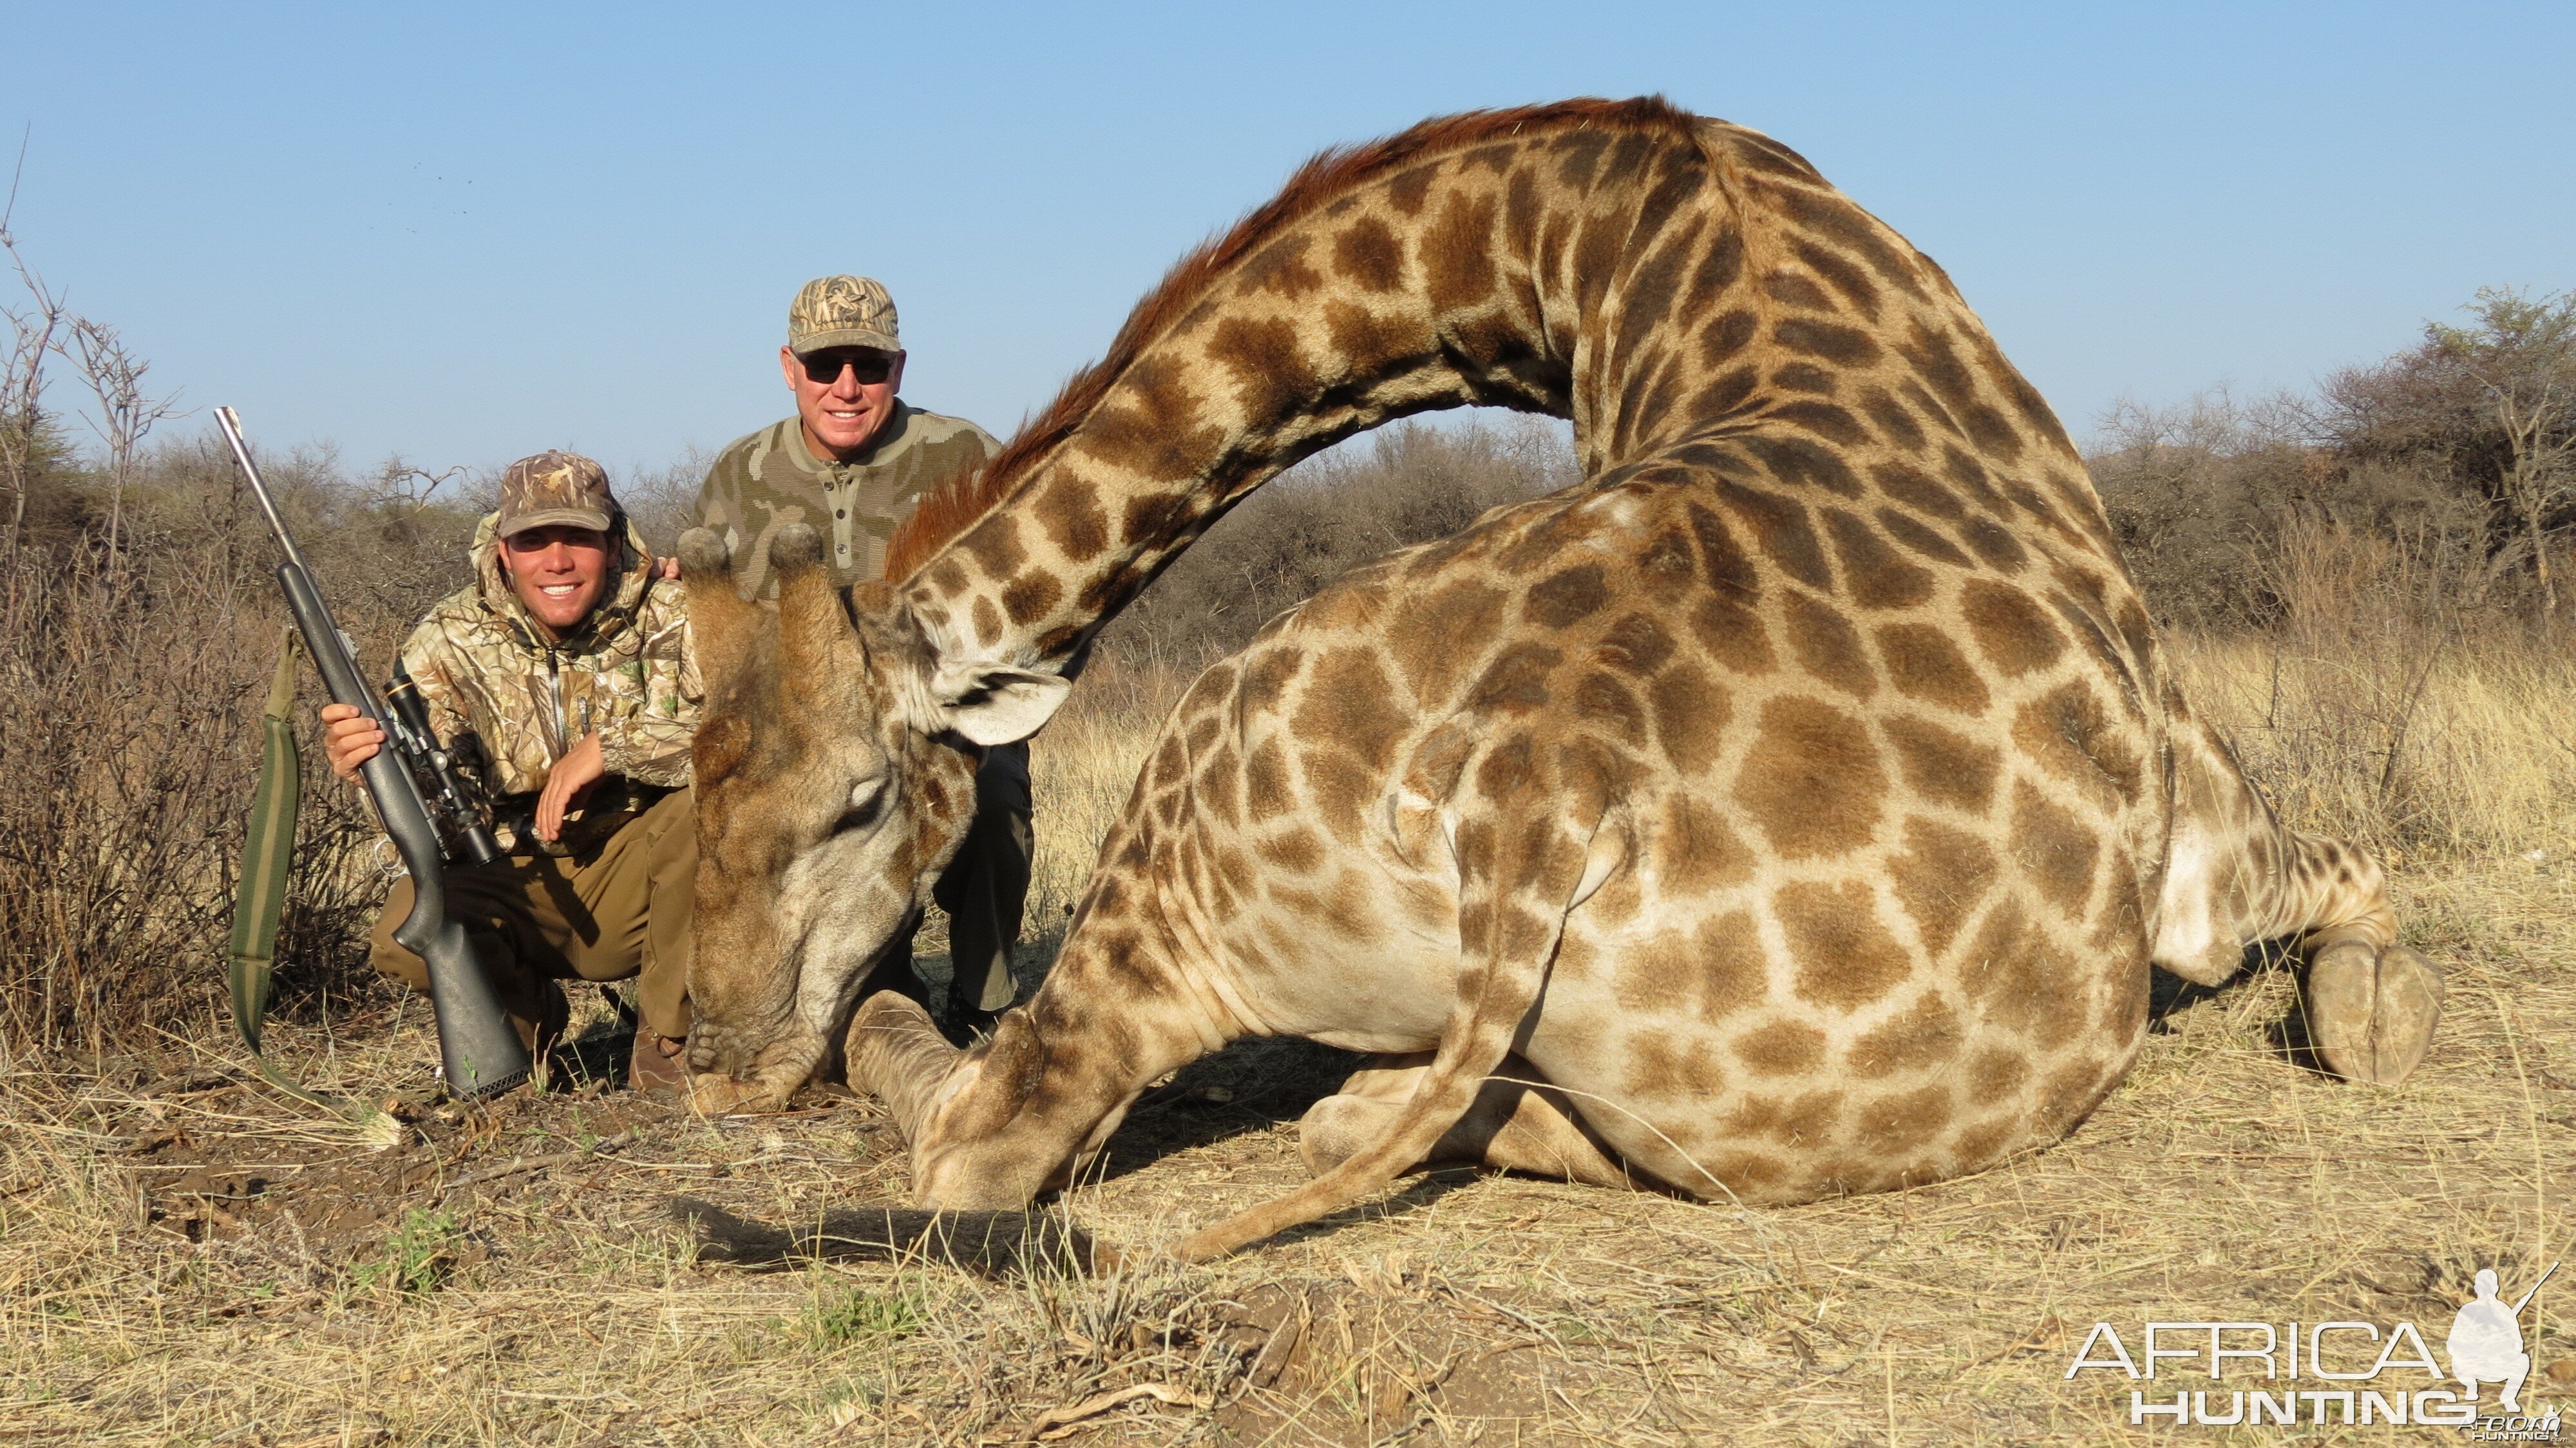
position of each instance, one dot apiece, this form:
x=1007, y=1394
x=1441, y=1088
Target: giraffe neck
x=1536, y=263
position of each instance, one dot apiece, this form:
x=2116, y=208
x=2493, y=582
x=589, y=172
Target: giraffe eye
x=865, y=796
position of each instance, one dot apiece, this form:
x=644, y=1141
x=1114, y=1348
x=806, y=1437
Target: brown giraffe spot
x=988, y=620
x=1877, y=576
x=1781, y=1048
x=1828, y=647
x=1699, y=851
x=1279, y=269
x=1601, y=699
x=1691, y=712
x=1943, y=766
x=951, y=575
x=2067, y=731
x=1721, y=561
x=995, y=546
x=1922, y=538
x=1350, y=703
x=1568, y=598
x=1437, y=638
x=1982, y=1144
x=1802, y=377
x=2055, y=850
x=1154, y=431
x=1410, y=188
x=2072, y=1091
x=2013, y=631
x=1636, y=645
x=1814, y=337
x=1780, y=529
x=1368, y=254
x=1925, y=664
x=1844, y=957
x=1218, y=786
x=1926, y=1036
x=1994, y=543
x=1339, y=791
x=2021, y=981
x=1267, y=675
x=1839, y=274
x=1941, y=877
x=1029, y=596
x=1272, y=378
x=1995, y=1073
x=1800, y=461
x=1732, y=634
x=1297, y=850
x=1728, y=972
x=1742, y=1172
x=1267, y=794
x=1896, y=422
x=1457, y=255
x=1811, y=781
x=1790, y=289
x=1726, y=393
x=1917, y=489
x=1794, y=1119
x=1905, y=1121
x=1726, y=334
x=1369, y=342
x=1517, y=681
x=1665, y=1064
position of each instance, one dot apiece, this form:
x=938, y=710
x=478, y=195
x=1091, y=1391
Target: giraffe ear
x=993, y=704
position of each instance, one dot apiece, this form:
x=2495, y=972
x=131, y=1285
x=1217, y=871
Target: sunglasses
x=824, y=368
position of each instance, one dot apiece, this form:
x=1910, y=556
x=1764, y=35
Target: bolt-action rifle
x=479, y=1047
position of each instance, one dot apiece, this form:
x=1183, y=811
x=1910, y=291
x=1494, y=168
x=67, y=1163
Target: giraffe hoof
x=725, y=1096
x=2371, y=1014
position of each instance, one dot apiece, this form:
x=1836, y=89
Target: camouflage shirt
x=508, y=702
x=769, y=479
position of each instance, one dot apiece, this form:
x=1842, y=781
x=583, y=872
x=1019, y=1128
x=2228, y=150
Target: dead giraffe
x=1794, y=807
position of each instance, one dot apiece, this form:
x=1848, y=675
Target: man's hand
x=570, y=779
x=350, y=739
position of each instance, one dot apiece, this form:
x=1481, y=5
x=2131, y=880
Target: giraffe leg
x=2371, y=1003
x=2371, y=1009
x=1513, y=1126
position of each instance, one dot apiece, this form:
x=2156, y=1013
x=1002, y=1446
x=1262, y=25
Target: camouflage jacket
x=769, y=479
x=508, y=703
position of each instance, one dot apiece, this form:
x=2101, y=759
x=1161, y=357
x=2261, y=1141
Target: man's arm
x=649, y=743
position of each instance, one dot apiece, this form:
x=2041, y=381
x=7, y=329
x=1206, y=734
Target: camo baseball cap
x=555, y=487
x=842, y=311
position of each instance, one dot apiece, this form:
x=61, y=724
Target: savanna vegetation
x=2367, y=586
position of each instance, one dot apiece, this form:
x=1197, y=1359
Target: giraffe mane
x=947, y=511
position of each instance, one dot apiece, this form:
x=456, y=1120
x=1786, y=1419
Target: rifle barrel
x=230, y=422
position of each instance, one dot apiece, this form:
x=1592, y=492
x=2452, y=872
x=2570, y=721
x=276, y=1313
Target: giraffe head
x=835, y=776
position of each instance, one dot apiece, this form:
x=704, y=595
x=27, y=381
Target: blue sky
x=471, y=232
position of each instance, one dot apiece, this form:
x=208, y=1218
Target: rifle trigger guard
x=388, y=863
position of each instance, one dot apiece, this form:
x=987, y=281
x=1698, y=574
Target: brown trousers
x=620, y=909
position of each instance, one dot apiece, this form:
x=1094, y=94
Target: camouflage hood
x=510, y=702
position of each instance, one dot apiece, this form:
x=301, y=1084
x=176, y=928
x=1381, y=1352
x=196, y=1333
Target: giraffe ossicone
x=1795, y=806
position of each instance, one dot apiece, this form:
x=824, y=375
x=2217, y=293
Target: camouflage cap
x=555, y=487
x=842, y=311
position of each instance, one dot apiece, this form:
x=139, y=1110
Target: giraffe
x=1795, y=806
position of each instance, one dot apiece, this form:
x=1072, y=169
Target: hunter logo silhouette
x=2486, y=1340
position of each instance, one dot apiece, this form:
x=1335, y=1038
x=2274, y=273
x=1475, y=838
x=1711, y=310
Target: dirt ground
x=186, y=1256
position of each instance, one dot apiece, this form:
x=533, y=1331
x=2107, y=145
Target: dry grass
x=189, y=1259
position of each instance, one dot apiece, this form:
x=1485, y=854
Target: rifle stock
x=477, y=1044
